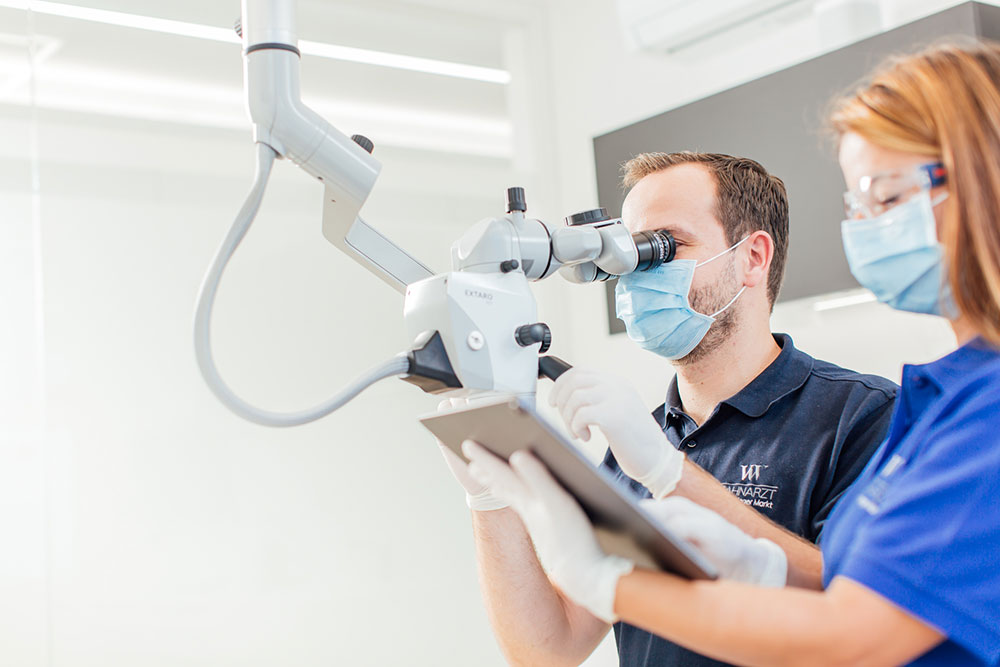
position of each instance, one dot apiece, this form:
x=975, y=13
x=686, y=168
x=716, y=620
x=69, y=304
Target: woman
x=912, y=552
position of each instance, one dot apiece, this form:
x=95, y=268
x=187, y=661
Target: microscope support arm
x=293, y=130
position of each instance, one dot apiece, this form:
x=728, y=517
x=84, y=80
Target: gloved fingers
x=580, y=398
x=703, y=521
x=539, y=481
x=581, y=421
x=460, y=469
x=773, y=568
x=573, y=379
x=493, y=472
x=688, y=529
x=449, y=403
x=451, y=458
x=684, y=518
x=671, y=506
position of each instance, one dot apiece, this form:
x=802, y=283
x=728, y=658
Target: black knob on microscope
x=515, y=200
x=363, y=141
x=529, y=334
x=588, y=217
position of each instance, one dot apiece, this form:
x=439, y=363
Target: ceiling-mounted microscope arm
x=284, y=127
x=293, y=130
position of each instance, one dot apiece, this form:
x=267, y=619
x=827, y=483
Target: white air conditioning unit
x=671, y=25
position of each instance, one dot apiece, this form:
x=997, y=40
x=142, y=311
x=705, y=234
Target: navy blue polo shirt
x=788, y=444
x=921, y=527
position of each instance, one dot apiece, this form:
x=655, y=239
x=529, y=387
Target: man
x=785, y=434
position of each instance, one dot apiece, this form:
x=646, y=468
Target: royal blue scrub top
x=921, y=526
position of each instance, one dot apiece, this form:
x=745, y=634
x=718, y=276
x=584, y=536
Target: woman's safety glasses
x=877, y=194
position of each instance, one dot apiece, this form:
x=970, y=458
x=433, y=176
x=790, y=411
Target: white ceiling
x=413, y=27
x=105, y=69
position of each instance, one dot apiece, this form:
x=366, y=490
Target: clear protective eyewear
x=878, y=193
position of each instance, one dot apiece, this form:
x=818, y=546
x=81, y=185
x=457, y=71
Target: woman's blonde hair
x=944, y=102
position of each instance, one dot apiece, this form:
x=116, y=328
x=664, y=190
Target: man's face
x=682, y=200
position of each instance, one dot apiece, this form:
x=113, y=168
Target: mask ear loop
x=726, y=307
x=742, y=289
x=729, y=249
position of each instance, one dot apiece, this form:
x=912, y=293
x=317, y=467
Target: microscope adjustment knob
x=515, y=200
x=588, y=217
x=546, y=340
x=529, y=334
x=363, y=141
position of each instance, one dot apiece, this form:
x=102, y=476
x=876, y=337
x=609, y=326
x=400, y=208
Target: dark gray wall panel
x=777, y=120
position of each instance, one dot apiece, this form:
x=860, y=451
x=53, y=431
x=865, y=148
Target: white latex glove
x=589, y=398
x=478, y=496
x=563, y=537
x=736, y=555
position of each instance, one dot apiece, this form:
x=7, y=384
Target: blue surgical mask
x=897, y=256
x=655, y=308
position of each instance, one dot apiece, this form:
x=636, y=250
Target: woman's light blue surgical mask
x=897, y=256
x=655, y=309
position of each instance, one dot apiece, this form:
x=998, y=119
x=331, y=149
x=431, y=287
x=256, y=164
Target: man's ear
x=757, y=258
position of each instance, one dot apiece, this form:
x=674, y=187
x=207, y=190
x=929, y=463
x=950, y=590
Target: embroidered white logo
x=761, y=496
x=750, y=473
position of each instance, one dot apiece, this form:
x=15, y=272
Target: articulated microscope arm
x=284, y=127
x=293, y=130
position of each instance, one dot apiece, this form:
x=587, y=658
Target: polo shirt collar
x=785, y=374
x=955, y=367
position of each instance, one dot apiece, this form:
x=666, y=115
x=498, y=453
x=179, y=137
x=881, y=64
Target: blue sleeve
x=933, y=546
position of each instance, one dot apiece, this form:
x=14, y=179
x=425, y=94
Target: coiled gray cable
x=397, y=365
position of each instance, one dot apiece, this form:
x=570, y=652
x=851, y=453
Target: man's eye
x=889, y=201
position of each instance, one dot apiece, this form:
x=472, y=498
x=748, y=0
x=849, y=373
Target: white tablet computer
x=623, y=526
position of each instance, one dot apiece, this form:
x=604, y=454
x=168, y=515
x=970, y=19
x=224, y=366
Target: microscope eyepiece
x=655, y=248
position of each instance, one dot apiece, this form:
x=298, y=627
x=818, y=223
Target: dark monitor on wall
x=777, y=120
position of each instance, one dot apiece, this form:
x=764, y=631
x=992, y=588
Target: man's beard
x=708, y=300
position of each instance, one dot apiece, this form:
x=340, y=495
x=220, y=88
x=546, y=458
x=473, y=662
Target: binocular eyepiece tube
x=652, y=248
x=655, y=248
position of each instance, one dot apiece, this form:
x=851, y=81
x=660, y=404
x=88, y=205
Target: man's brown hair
x=748, y=199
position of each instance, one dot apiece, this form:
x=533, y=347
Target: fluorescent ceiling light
x=398, y=61
x=855, y=299
x=84, y=89
x=125, y=20
x=228, y=35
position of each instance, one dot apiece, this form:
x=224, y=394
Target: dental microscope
x=474, y=329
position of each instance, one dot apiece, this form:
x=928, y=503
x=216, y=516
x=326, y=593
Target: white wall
x=177, y=532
